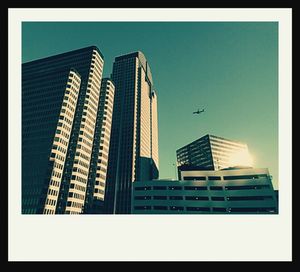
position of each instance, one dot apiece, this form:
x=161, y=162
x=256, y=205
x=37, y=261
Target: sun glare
x=241, y=158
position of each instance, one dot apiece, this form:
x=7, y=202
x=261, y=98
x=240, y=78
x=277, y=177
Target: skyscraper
x=94, y=200
x=60, y=96
x=133, y=152
x=212, y=153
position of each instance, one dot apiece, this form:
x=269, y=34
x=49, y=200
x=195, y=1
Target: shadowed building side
x=45, y=137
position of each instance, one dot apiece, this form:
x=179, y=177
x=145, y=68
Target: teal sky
x=228, y=68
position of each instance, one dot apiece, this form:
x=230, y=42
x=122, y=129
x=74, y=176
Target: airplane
x=198, y=111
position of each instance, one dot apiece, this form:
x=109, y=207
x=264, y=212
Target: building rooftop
x=140, y=55
x=210, y=136
x=93, y=47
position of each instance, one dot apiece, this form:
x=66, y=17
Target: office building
x=212, y=153
x=60, y=96
x=134, y=137
x=230, y=191
x=94, y=200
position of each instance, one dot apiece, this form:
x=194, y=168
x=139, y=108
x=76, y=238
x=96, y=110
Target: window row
x=210, y=209
x=76, y=195
x=206, y=198
x=214, y=188
x=51, y=202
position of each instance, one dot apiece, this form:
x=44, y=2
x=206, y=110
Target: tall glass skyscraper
x=60, y=114
x=133, y=152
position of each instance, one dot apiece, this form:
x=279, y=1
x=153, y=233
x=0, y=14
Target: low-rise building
x=232, y=190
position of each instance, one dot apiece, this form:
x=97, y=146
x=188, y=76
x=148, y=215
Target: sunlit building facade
x=212, y=153
x=60, y=96
x=134, y=137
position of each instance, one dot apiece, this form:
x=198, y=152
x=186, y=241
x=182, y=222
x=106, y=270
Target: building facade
x=212, y=153
x=60, y=96
x=231, y=191
x=134, y=137
x=94, y=201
